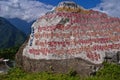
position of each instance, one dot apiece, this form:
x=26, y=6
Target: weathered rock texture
x=70, y=37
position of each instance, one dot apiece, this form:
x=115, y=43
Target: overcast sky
x=30, y=10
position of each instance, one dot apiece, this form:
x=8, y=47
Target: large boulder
x=70, y=38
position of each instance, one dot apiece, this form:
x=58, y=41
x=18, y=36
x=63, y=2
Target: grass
x=109, y=72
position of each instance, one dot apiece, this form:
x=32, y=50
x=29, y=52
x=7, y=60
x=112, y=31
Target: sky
x=30, y=10
x=84, y=3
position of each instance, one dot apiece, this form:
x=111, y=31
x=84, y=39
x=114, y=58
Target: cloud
x=28, y=10
x=111, y=7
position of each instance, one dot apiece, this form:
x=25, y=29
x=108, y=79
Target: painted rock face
x=72, y=32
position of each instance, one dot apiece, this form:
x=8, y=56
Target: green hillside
x=9, y=35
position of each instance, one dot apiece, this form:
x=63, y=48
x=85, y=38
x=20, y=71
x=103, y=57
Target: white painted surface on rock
x=65, y=35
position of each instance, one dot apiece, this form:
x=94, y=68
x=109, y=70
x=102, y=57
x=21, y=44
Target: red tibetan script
x=93, y=56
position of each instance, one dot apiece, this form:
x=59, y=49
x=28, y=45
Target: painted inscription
x=87, y=36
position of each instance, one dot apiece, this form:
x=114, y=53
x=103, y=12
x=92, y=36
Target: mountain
x=9, y=35
x=22, y=25
x=70, y=38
